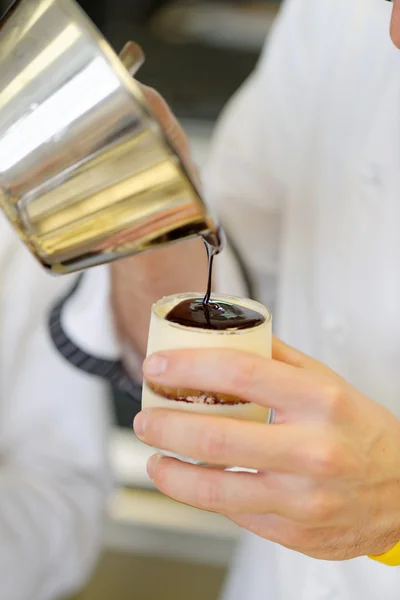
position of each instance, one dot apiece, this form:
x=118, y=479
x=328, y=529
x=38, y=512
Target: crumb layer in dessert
x=194, y=396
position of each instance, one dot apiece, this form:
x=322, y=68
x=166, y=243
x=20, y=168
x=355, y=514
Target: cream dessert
x=186, y=321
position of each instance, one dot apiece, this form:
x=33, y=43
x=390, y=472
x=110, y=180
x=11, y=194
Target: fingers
x=395, y=24
x=228, y=442
x=269, y=383
x=172, y=129
x=210, y=489
x=221, y=491
x=234, y=493
x=132, y=57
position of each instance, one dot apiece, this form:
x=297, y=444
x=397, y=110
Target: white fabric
x=305, y=172
x=53, y=467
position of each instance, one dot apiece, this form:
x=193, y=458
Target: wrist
x=387, y=546
x=389, y=557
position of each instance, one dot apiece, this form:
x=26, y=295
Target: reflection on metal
x=86, y=172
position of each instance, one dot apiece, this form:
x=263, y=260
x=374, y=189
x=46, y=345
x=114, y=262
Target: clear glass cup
x=165, y=335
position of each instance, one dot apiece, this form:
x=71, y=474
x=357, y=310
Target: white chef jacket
x=305, y=174
x=53, y=418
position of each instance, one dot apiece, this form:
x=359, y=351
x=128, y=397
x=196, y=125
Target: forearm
x=139, y=281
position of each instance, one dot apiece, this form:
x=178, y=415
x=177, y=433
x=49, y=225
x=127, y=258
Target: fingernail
x=154, y=365
x=152, y=464
x=139, y=424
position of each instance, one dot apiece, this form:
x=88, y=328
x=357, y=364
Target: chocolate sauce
x=206, y=313
x=214, y=315
x=215, y=240
x=211, y=252
x=214, y=244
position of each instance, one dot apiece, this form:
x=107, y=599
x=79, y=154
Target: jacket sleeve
x=54, y=479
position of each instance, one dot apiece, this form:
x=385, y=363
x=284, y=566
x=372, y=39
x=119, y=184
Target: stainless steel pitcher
x=86, y=172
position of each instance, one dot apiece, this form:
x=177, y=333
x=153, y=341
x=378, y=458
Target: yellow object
x=391, y=558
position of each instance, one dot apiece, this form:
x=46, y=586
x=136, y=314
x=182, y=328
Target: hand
x=139, y=281
x=328, y=481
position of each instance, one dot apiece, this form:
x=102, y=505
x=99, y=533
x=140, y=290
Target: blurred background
x=197, y=54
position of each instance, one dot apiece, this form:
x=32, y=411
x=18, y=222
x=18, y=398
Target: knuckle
x=319, y=507
x=163, y=477
x=243, y=377
x=209, y=494
x=334, y=401
x=160, y=477
x=325, y=460
x=151, y=93
x=212, y=445
x=155, y=428
x=160, y=429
